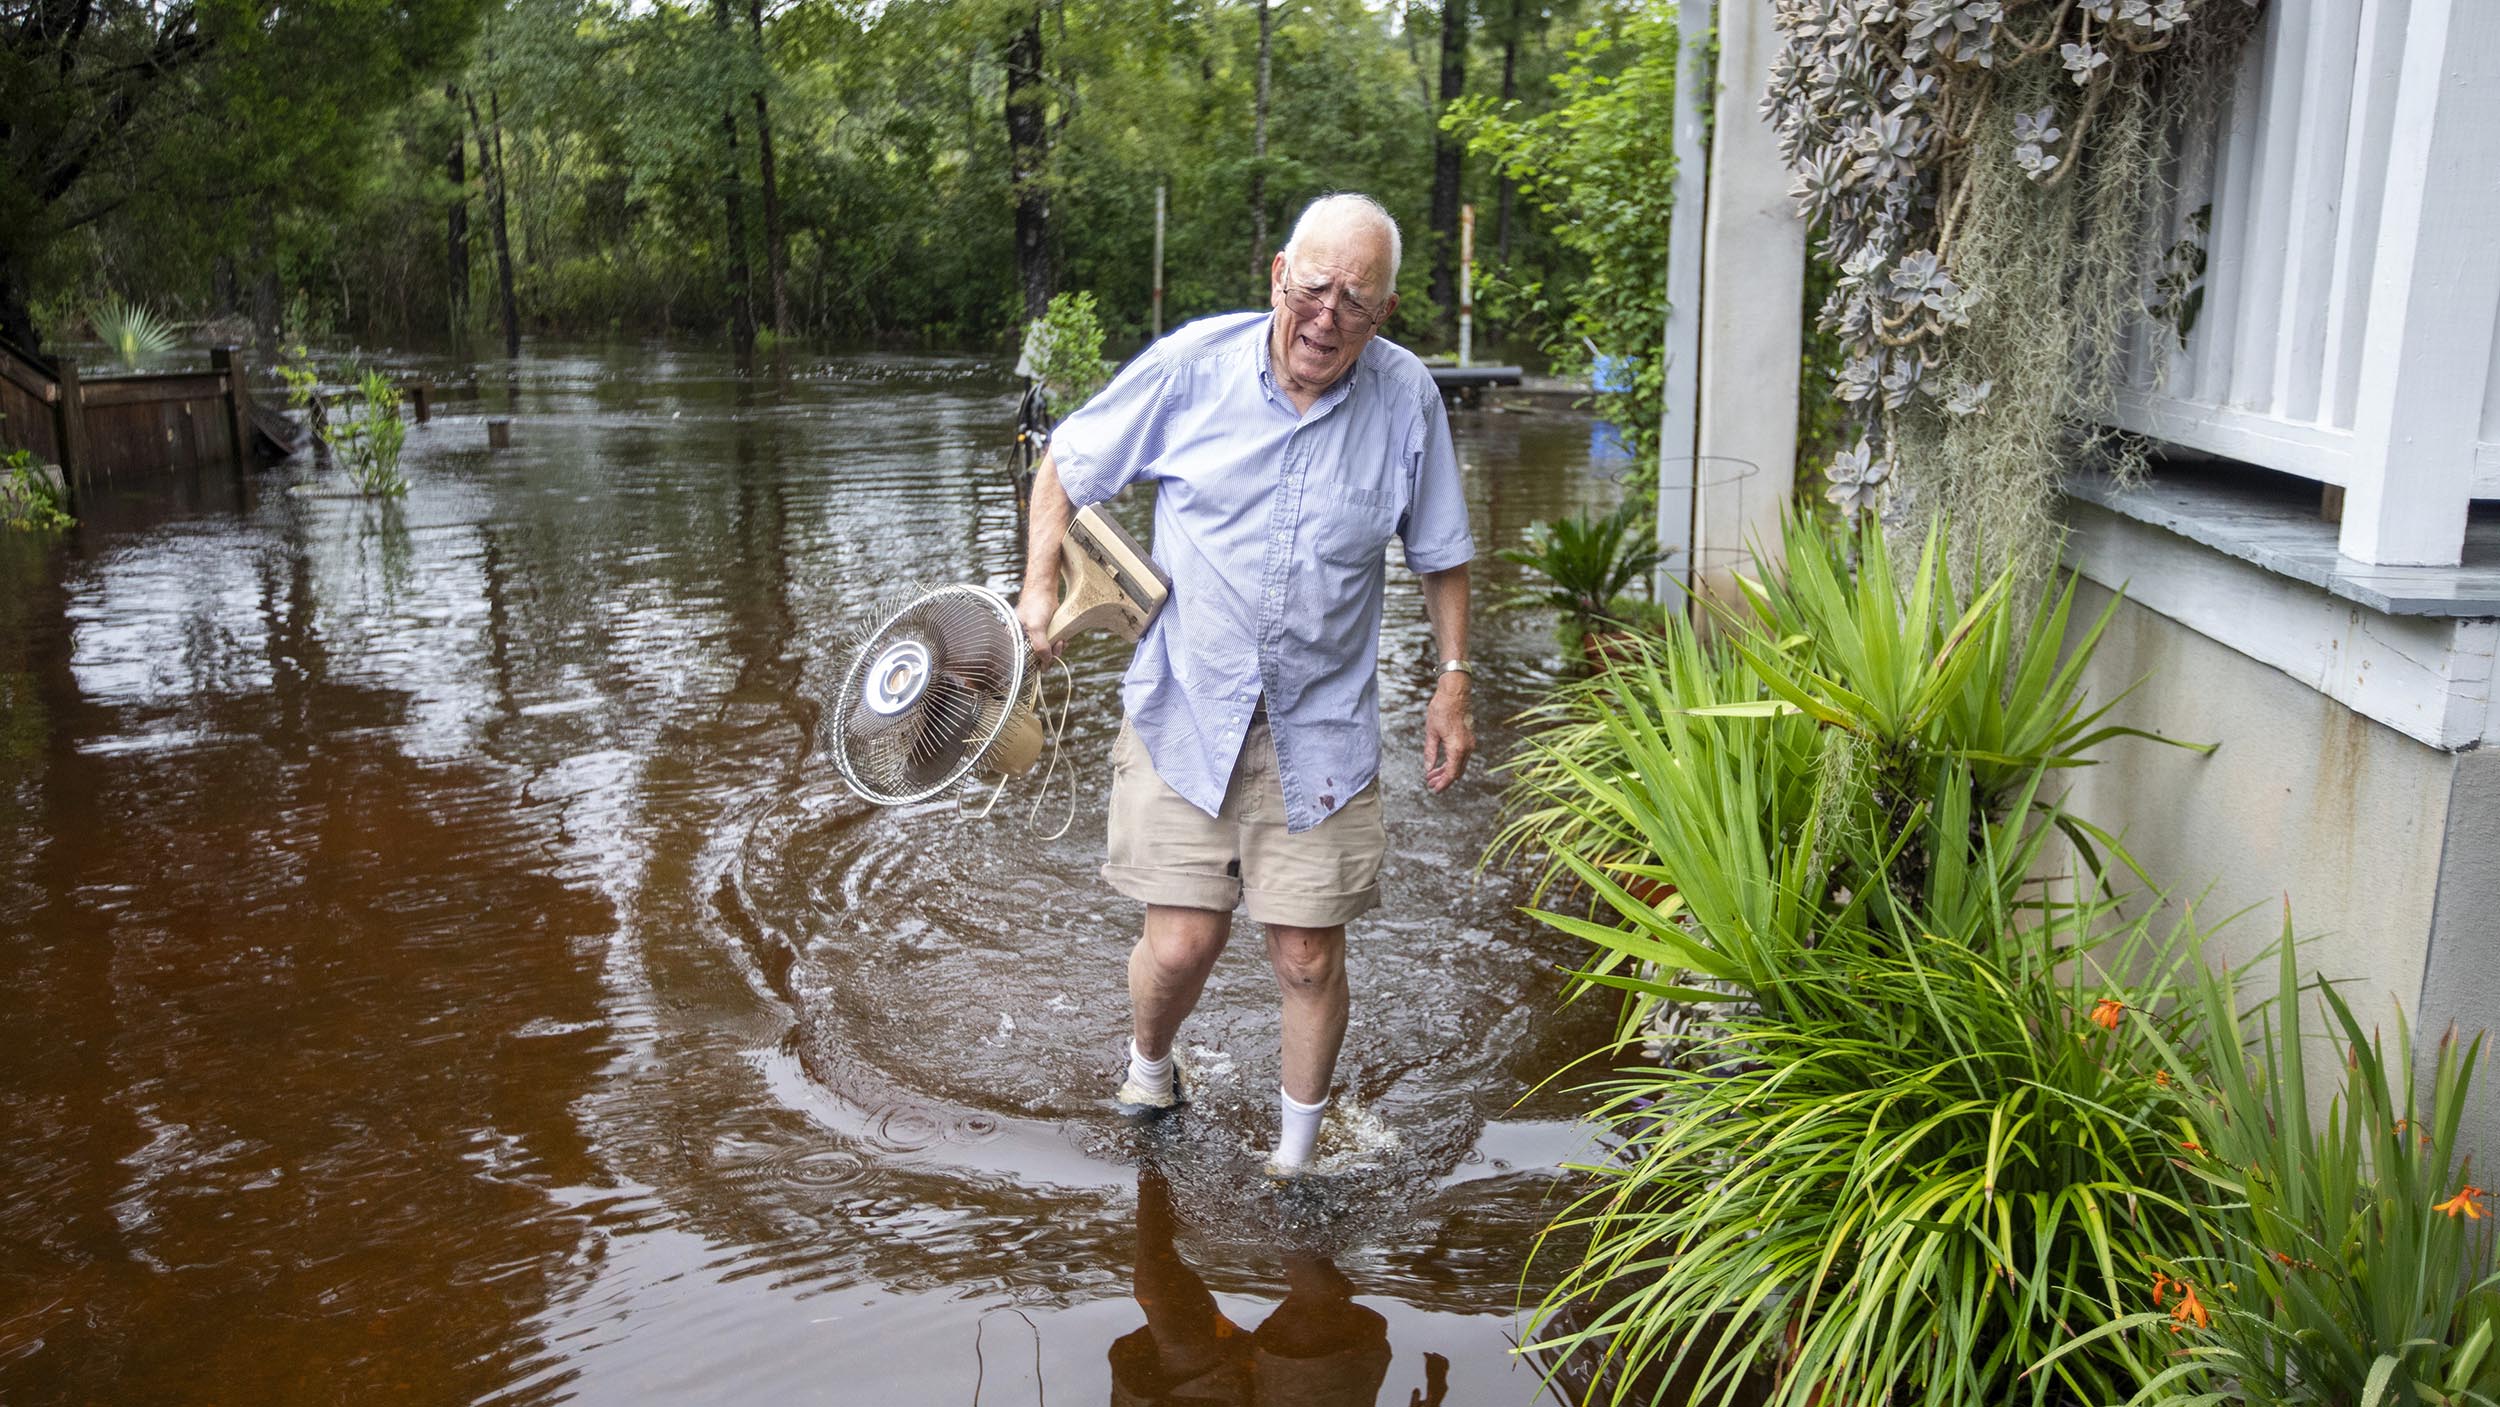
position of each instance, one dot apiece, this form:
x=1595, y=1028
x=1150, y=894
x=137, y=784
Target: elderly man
x=1285, y=449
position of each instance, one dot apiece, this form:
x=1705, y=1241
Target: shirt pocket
x=1348, y=526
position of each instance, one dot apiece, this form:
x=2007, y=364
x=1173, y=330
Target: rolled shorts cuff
x=1310, y=910
x=1184, y=889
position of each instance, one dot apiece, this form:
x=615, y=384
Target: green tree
x=180, y=118
x=1601, y=164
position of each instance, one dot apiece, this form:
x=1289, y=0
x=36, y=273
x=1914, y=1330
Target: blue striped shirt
x=1273, y=523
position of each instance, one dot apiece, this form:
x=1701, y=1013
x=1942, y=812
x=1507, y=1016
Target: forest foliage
x=351, y=168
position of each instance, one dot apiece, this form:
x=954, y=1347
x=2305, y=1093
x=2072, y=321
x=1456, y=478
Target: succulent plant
x=1879, y=105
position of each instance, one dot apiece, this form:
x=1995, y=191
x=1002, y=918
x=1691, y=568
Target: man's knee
x=1181, y=941
x=1310, y=958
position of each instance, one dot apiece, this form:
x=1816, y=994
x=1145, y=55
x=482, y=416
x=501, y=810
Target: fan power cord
x=1058, y=764
x=1054, y=728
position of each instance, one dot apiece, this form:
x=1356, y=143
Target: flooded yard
x=441, y=965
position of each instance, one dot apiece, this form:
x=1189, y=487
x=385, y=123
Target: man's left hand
x=1449, y=732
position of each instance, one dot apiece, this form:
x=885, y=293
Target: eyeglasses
x=1311, y=300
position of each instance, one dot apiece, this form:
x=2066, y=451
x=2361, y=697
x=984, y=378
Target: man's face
x=1319, y=334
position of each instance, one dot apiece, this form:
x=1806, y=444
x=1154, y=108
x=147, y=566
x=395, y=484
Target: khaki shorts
x=1166, y=851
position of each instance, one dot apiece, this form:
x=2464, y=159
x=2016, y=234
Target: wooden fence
x=127, y=429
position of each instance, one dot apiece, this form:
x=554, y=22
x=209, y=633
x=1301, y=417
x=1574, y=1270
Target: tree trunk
x=1446, y=163
x=1507, y=189
x=733, y=207
x=17, y=319
x=456, y=225
x=1415, y=56
x=1028, y=146
x=490, y=163
x=1260, y=254
x=503, y=233
x=265, y=299
x=225, y=294
x=776, y=242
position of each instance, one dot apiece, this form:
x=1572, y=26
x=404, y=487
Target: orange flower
x=2161, y=1285
x=2191, y=1145
x=2105, y=1013
x=2161, y=1077
x=2462, y=1204
x=2191, y=1310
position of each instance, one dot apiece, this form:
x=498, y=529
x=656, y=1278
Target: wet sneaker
x=1285, y=1172
x=1138, y=1101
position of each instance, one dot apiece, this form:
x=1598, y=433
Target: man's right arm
x=1047, y=525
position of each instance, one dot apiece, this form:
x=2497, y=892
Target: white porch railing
x=2350, y=325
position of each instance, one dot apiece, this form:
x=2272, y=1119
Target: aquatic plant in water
x=366, y=434
x=1063, y=352
x=369, y=439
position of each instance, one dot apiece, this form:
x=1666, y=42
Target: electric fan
x=939, y=686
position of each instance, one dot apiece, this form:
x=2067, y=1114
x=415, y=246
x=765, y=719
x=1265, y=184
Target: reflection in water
x=439, y=965
x=1317, y=1348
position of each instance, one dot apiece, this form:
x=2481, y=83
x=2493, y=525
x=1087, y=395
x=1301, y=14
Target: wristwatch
x=1466, y=667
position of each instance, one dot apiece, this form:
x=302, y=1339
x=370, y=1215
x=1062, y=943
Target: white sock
x=1301, y=1131
x=1153, y=1074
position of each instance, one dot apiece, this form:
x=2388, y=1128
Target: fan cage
x=976, y=688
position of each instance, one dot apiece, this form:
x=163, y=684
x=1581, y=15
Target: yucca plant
x=1865, y=688
x=1908, y=1151
x=1577, y=740
x=137, y=334
x=1903, y=679
x=2343, y=1261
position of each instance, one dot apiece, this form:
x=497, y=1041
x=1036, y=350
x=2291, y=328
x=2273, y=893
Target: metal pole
x=1466, y=283
x=1679, y=346
x=1158, y=318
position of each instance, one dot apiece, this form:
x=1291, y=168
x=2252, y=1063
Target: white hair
x=1348, y=212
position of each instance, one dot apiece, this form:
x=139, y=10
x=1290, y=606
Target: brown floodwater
x=441, y=966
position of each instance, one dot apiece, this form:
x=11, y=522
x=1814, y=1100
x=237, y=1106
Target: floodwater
x=441, y=966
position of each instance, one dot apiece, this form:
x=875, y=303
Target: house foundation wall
x=2359, y=828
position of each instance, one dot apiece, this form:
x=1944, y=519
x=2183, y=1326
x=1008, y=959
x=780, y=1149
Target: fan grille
x=925, y=691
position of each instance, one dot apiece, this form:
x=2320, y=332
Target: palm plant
x=136, y=333
x=1586, y=563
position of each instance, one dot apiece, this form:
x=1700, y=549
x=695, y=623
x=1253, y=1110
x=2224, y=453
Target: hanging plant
x=1985, y=176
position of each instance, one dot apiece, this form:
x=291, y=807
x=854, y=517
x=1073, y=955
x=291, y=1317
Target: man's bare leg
x=1310, y=971
x=1168, y=969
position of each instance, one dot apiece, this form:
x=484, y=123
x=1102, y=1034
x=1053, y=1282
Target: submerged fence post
x=69, y=425
x=236, y=395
